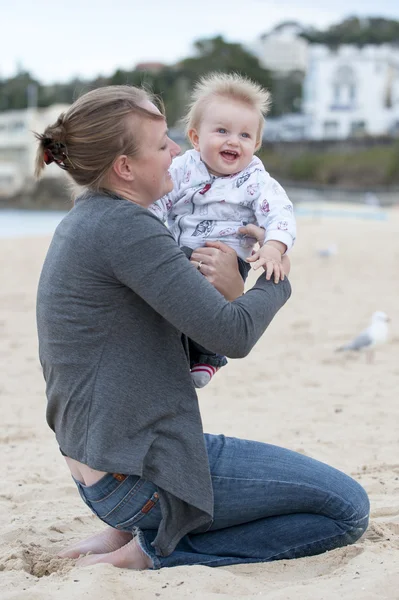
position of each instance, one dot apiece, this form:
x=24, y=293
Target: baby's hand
x=253, y=231
x=269, y=258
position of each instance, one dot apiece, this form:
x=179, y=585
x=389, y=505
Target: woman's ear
x=194, y=139
x=123, y=168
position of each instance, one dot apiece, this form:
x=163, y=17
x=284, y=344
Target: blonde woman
x=116, y=300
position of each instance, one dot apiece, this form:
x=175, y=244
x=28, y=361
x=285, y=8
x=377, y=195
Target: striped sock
x=201, y=374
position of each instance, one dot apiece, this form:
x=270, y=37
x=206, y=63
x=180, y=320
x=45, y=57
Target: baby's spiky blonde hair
x=231, y=86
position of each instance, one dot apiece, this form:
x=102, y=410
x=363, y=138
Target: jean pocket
x=149, y=510
x=121, y=504
x=108, y=492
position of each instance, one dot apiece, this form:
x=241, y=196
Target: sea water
x=28, y=223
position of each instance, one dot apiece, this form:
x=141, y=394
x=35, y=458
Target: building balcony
x=342, y=107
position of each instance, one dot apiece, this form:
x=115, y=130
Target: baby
x=221, y=190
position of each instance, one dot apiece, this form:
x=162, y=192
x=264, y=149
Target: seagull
x=375, y=334
x=331, y=250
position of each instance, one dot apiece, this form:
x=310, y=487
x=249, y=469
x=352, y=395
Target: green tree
x=354, y=30
x=215, y=54
x=15, y=92
x=287, y=93
x=172, y=84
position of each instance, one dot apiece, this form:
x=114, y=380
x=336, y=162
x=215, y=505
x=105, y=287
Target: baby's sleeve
x=274, y=210
x=164, y=206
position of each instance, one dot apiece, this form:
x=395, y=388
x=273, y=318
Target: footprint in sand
x=375, y=533
x=302, y=569
x=36, y=561
x=383, y=532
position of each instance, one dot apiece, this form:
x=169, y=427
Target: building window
x=17, y=126
x=343, y=89
x=336, y=94
x=358, y=129
x=331, y=129
x=394, y=129
x=389, y=87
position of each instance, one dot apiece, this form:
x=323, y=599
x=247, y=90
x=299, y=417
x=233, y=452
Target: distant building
x=352, y=91
x=18, y=147
x=282, y=50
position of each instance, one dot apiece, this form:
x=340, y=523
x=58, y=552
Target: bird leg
x=370, y=357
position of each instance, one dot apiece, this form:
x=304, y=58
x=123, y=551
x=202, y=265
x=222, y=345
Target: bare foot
x=130, y=556
x=106, y=541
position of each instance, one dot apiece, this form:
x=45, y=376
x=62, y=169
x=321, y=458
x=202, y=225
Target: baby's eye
x=221, y=130
x=245, y=135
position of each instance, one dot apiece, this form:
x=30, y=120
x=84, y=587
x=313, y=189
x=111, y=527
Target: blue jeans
x=270, y=504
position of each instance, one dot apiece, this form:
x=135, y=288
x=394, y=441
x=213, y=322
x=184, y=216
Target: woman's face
x=152, y=179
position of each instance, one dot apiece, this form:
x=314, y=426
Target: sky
x=56, y=41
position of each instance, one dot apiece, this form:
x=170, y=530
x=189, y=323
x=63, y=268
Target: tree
x=356, y=31
x=216, y=54
x=287, y=93
x=14, y=92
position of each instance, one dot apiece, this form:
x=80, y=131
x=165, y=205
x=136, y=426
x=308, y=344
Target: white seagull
x=331, y=250
x=375, y=334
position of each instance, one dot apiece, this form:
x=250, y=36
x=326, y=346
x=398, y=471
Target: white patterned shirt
x=203, y=207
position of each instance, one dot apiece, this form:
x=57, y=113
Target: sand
x=292, y=390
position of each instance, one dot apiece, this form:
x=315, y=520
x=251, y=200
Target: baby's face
x=227, y=136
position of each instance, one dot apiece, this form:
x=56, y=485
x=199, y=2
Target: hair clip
x=48, y=157
x=55, y=152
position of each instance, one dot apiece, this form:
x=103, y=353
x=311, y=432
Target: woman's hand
x=285, y=261
x=218, y=263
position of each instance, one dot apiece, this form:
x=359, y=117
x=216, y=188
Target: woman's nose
x=175, y=149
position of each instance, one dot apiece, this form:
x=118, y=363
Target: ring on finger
x=199, y=265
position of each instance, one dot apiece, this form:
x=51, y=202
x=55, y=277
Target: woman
x=116, y=300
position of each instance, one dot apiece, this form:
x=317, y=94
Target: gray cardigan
x=115, y=296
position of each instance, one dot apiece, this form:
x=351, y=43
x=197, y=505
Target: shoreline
x=298, y=193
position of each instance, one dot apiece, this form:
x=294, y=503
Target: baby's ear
x=194, y=138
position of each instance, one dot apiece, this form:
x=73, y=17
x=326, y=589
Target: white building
x=18, y=147
x=352, y=91
x=282, y=50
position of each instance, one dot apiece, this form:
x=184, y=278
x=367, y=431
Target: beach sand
x=292, y=390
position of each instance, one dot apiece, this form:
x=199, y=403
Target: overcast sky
x=57, y=40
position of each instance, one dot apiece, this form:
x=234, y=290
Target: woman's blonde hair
x=231, y=86
x=87, y=138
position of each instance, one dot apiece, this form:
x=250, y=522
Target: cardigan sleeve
x=143, y=256
x=274, y=210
